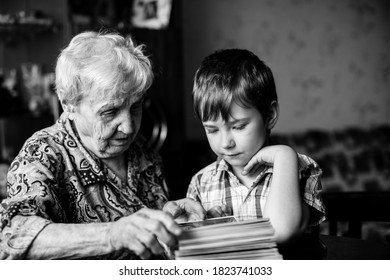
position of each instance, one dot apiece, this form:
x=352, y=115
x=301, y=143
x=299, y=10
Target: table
x=330, y=247
x=343, y=248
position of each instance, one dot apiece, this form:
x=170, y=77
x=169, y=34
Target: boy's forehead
x=236, y=112
x=239, y=111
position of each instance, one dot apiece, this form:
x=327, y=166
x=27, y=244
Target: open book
x=227, y=238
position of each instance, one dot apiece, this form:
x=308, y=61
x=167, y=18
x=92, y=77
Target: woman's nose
x=126, y=125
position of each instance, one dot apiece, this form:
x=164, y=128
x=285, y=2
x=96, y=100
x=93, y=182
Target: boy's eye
x=240, y=127
x=211, y=130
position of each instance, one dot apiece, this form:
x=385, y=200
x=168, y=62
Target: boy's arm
x=285, y=208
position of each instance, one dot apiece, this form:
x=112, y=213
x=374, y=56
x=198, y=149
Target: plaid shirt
x=216, y=185
x=54, y=179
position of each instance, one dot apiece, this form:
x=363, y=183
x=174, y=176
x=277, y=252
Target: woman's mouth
x=120, y=141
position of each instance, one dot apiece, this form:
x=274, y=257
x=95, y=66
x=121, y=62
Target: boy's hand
x=219, y=211
x=266, y=156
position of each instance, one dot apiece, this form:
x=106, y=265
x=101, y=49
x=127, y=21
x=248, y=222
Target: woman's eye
x=109, y=112
x=136, y=106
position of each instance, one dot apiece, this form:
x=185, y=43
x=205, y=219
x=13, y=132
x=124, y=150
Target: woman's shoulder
x=47, y=144
x=52, y=135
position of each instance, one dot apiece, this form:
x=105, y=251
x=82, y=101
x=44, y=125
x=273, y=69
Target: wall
x=36, y=48
x=330, y=58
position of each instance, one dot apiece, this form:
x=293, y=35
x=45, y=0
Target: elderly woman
x=87, y=187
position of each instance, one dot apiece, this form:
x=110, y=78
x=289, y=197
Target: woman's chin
x=112, y=151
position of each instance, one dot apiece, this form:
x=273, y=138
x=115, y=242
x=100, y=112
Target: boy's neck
x=246, y=180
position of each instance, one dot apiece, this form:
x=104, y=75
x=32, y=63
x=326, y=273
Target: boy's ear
x=273, y=114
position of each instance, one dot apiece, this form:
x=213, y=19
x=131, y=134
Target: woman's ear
x=69, y=109
x=273, y=114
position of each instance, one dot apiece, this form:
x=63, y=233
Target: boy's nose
x=227, y=141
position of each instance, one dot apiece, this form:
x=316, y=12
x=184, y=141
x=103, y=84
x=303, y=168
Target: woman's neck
x=117, y=165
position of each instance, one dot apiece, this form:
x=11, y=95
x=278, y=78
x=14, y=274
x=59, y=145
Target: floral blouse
x=55, y=179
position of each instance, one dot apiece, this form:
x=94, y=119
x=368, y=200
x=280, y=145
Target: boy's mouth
x=232, y=155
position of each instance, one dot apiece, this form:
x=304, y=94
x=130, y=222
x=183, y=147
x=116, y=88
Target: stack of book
x=226, y=238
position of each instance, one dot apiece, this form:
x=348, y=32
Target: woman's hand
x=143, y=231
x=146, y=232
x=185, y=210
x=219, y=211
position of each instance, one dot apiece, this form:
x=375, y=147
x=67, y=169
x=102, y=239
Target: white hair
x=102, y=64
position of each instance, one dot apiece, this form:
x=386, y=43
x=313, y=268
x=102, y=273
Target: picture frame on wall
x=152, y=14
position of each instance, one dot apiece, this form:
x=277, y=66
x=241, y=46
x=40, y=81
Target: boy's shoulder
x=305, y=160
x=212, y=169
x=308, y=165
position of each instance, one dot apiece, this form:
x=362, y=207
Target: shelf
x=13, y=33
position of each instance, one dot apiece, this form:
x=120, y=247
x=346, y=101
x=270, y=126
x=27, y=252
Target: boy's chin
x=235, y=163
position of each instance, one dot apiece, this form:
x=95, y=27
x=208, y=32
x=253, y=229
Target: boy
x=234, y=96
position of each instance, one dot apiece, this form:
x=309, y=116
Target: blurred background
x=330, y=60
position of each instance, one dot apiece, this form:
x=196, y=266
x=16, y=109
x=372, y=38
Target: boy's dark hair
x=232, y=75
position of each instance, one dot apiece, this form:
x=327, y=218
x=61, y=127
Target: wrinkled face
x=239, y=138
x=107, y=127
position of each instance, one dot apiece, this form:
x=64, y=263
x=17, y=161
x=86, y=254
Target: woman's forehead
x=113, y=99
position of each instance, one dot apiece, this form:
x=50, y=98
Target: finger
x=162, y=226
x=164, y=218
x=151, y=243
x=159, y=231
x=248, y=167
x=140, y=250
x=227, y=210
x=253, y=166
x=255, y=169
x=173, y=209
x=215, y=212
x=194, y=208
x=139, y=233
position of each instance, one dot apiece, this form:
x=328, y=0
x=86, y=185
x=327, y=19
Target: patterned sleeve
x=31, y=200
x=150, y=175
x=156, y=183
x=311, y=188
